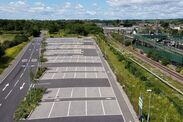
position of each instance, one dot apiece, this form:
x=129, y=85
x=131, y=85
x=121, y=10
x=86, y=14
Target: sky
x=90, y=9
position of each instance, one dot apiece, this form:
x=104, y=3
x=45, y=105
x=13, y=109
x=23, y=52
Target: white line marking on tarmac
x=70, y=103
x=16, y=83
x=86, y=111
x=101, y=101
x=99, y=51
x=6, y=86
x=53, y=103
x=8, y=95
x=21, y=75
x=22, y=86
x=0, y=104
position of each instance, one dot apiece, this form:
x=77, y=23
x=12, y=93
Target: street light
x=148, y=117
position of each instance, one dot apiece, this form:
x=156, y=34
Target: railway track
x=176, y=76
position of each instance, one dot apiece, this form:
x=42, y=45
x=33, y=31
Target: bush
x=40, y=72
x=2, y=52
x=31, y=101
x=16, y=41
x=127, y=43
x=164, y=61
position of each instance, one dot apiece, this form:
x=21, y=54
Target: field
x=136, y=81
x=5, y=37
x=10, y=54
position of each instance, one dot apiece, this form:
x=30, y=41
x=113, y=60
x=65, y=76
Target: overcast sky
x=91, y=9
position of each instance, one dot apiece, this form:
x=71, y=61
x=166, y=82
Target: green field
x=166, y=104
x=5, y=37
x=10, y=54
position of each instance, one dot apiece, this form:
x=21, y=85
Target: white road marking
x=53, y=103
x=86, y=111
x=6, y=86
x=8, y=95
x=74, y=74
x=16, y=83
x=96, y=76
x=110, y=81
x=70, y=103
x=22, y=86
x=85, y=72
x=0, y=104
x=21, y=75
x=101, y=101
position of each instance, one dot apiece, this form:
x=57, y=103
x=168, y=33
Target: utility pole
x=148, y=117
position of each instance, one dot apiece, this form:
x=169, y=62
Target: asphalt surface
x=15, y=85
x=78, y=88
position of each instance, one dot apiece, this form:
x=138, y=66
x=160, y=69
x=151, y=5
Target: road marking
x=86, y=111
x=70, y=103
x=102, y=103
x=85, y=72
x=53, y=103
x=22, y=86
x=8, y=95
x=0, y=104
x=43, y=83
x=16, y=83
x=96, y=76
x=104, y=62
x=21, y=75
x=6, y=86
x=74, y=74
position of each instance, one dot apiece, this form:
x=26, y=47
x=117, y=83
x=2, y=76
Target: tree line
x=27, y=28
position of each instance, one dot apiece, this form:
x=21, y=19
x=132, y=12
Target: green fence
x=170, y=53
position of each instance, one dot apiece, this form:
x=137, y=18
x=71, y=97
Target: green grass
x=10, y=54
x=5, y=37
x=13, y=51
x=61, y=33
x=30, y=102
x=166, y=103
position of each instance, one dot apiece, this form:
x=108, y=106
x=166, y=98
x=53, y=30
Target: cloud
x=146, y=9
x=107, y=9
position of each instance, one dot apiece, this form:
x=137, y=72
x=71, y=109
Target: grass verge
x=10, y=54
x=136, y=80
x=40, y=72
x=30, y=102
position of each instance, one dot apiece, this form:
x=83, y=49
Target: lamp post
x=148, y=117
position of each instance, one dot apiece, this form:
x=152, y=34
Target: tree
x=53, y=28
x=165, y=24
x=1, y=51
x=35, y=31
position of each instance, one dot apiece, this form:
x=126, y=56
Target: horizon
x=91, y=10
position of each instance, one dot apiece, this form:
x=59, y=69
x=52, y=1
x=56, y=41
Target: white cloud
x=79, y=6
x=91, y=12
x=146, y=8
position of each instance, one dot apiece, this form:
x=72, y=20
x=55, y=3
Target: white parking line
x=74, y=74
x=8, y=95
x=6, y=86
x=56, y=59
x=86, y=111
x=85, y=72
x=22, y=86
x=96, y=76
x=21, y=75
x=110, y=81
x=101, y=101
x=70, y=103
x=54, y=73
x=53, y=103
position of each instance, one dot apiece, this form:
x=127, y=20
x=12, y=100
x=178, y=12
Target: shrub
x=31, y=101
